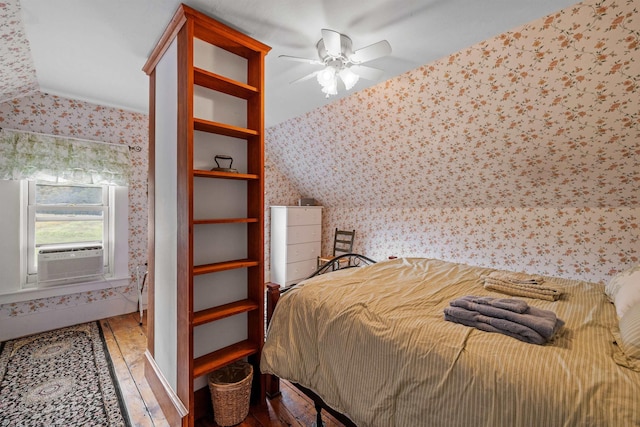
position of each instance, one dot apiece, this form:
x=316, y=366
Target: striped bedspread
x=373, y=343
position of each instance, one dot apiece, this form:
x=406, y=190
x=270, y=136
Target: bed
x=373, y=344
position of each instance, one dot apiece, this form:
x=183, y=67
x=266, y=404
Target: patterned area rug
x=62, y=377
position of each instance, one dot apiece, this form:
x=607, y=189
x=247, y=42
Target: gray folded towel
x=510, y=304
x=490, y=324
x=533, y=325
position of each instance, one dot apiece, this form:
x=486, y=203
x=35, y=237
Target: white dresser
x=296, y=235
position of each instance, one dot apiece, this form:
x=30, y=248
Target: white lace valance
x=32, y=156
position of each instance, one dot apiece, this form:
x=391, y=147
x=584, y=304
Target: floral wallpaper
x=519, y=152
x=18, y=76
x=589, y=244
x=60, y=116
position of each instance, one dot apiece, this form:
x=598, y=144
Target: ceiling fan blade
x=307, y=77
x=371, y=52
x=332, y=42
x=296, y=58
x=368, y=73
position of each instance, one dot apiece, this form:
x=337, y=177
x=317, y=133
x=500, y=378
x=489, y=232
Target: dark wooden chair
x=342, y=244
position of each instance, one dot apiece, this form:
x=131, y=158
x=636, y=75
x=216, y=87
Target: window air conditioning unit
x=63, y=266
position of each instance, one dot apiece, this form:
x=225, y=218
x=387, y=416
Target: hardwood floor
x=126, y=341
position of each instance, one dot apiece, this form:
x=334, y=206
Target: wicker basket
x=230, y=388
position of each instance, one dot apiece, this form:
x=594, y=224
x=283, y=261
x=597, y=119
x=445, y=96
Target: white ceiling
x=94, y=50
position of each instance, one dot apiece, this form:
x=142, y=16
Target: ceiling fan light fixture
x=327, y=76
x=330, y=89
x=336, y=54
x=328, y=80
x=349, y=78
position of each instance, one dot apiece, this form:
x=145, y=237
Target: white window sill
x=28, y=294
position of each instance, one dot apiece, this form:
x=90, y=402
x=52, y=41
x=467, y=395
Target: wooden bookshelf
x=195, y=44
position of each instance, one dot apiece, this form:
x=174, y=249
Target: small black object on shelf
x=223, y=169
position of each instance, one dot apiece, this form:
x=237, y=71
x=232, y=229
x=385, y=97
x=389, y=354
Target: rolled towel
x=519, y=278
x=491, y=324
x=521, y=290
x=544, y=322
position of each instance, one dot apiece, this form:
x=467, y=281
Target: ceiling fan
x=336, y=54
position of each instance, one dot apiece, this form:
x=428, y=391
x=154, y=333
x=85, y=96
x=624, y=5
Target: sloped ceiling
x=542, y=116
x=17, y=74
x=94, y=50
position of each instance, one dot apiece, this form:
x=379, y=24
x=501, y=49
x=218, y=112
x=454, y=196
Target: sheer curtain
x=32, y=156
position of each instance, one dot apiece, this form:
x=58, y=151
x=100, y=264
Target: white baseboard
x=19, y=326
x=172, y=407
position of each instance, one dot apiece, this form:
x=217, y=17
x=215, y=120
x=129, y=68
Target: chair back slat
x=342, y=244
x=343, y=241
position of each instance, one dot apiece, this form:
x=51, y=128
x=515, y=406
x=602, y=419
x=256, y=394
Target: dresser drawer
x=296, y=235
x=303, y=234
x=303, y=251
x=304, y=216
x=296, y=271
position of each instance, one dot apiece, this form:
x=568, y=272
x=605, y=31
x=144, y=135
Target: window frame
x=107, y=207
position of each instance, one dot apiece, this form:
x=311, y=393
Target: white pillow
x=624, y=289
x=630, y=332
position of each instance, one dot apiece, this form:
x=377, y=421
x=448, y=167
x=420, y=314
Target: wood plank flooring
x=126, y=340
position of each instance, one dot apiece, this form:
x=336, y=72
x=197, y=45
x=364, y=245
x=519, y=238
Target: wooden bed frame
x=273, y=295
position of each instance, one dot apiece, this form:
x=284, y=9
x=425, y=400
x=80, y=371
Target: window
x=67, y=216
